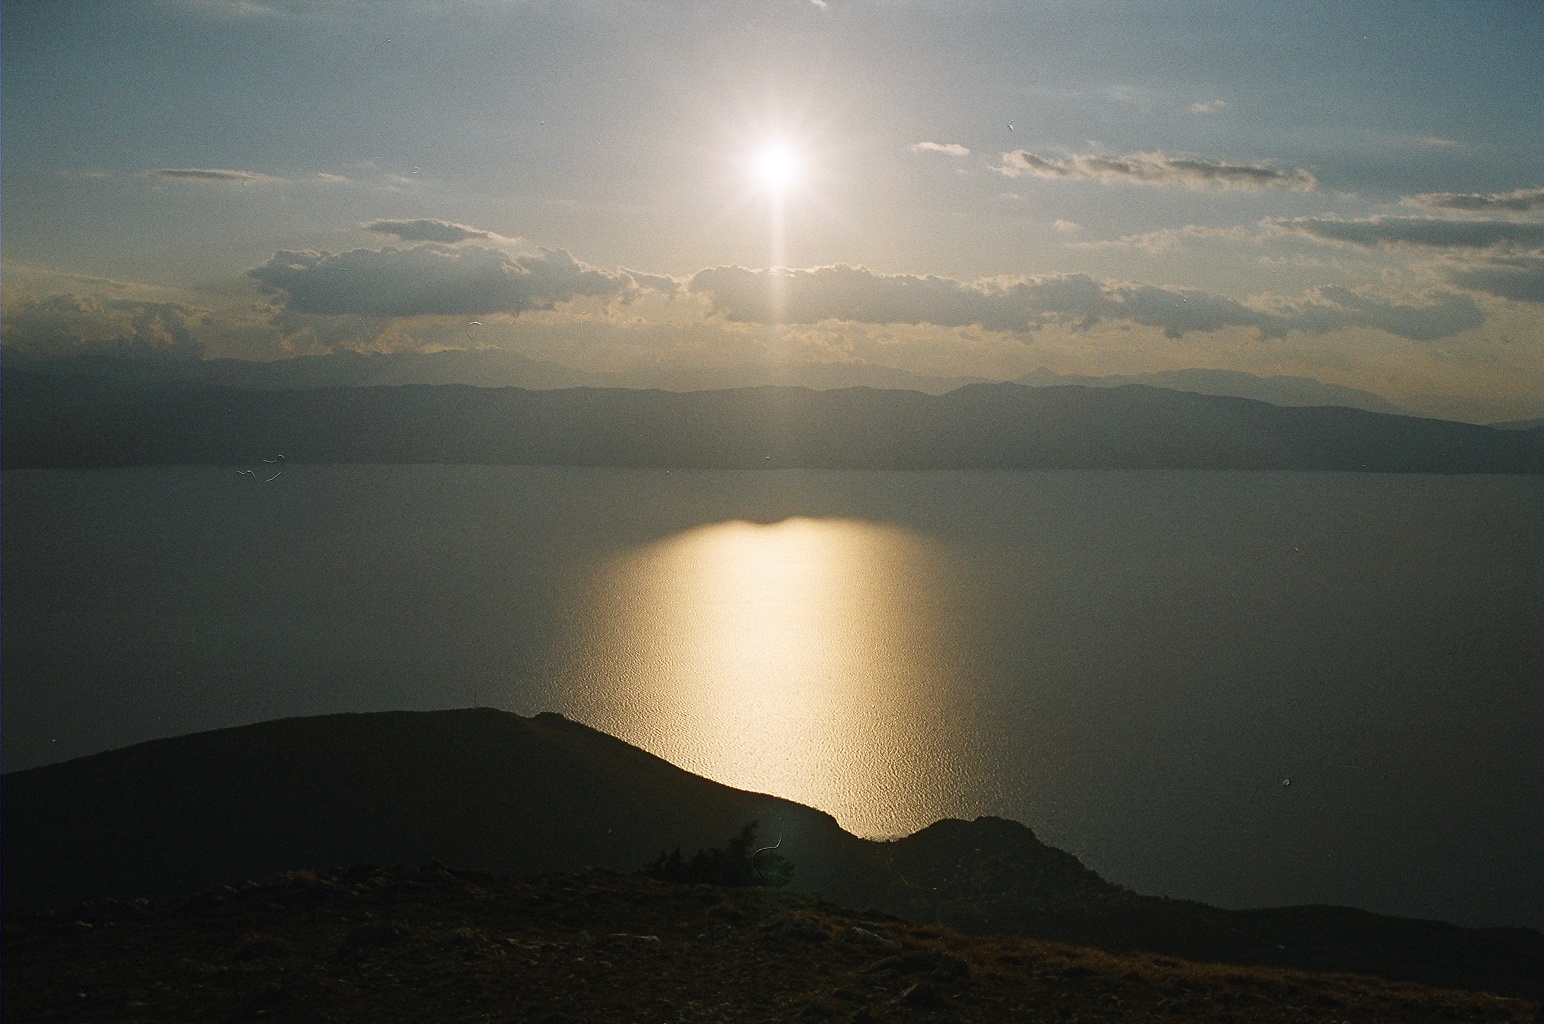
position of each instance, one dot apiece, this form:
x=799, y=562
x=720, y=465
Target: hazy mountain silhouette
x=487, y=790
x=1278, y=390
x=488, y=368
x=500, y=368
x=95, y=421
x=1520, y=424
x=478, y=368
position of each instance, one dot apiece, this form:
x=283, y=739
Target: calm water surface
x=1246, y=688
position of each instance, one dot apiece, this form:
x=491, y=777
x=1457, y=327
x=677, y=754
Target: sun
x=777, y=167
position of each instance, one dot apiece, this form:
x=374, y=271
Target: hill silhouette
x=492, y=791
x=93, y=421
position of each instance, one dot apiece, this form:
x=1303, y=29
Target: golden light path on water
x=801, y=658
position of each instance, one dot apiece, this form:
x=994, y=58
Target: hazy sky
x=1350, y=191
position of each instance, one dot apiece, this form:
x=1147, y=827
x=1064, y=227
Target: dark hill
x=83, y=421
x=487, y=790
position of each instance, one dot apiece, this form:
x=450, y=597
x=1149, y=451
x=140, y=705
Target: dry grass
x=425, y=945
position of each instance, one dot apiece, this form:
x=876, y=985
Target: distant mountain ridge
x=90, y=421
x=488, y=790
x=485, y=368
x=1278, y=389
x=501, y=368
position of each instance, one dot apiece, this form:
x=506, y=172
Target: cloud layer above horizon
x=1340, y=191
x=860, y=295
x=432, y=280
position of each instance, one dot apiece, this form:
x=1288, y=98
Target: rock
x=941, y=964
x=868, y=939
x=920, y=994
x=792, y=926
x=817, y=1009
x=375, y=934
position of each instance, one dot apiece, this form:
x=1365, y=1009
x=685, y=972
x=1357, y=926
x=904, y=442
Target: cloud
x=1520, y=279
x=424, y=230
x=946, y=148
x=1524, y=200
x=1166, y=239
x=661, y=283
x=210, y=175
x=1332, y=308
x=1024, y=304
x=237, y=8
x=1067, y=227
x=72, y=325
x=1413, y=231
x=432, y=280
x=1433, y=141
x=1212, y=106
x=1156, y=169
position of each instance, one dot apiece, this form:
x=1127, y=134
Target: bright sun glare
x=777, y=167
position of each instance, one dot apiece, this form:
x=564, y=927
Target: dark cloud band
x=212, y=175
x=1524, y=200
x=1156, y=169
x=1520, y=279
x=1428, y=232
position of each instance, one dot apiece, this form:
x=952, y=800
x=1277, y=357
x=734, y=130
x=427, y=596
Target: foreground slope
x=367, y=946
x=487, y=790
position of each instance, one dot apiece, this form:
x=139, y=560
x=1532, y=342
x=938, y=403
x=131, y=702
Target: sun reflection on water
x=798, y=658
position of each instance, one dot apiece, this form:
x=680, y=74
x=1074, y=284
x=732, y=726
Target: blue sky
x=1349, y=191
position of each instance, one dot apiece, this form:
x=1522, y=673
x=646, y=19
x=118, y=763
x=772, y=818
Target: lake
x=1247, y=688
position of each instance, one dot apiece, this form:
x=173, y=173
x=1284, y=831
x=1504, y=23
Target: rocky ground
x=427, y=944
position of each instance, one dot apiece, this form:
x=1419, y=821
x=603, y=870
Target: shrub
x=737, y=862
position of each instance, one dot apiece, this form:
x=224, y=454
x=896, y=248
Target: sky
x=1347, y=191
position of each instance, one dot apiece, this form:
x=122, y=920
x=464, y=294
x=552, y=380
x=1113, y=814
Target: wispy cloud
x=1524, y=200
x=1208, y=107
x=946, y=148
x=1156, y=169
x=1429, y=232
x=1166, y=239
x=211, y=175
x=241, y=8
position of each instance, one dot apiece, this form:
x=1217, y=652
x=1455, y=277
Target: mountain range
x=101, y=421
x=504, y=368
